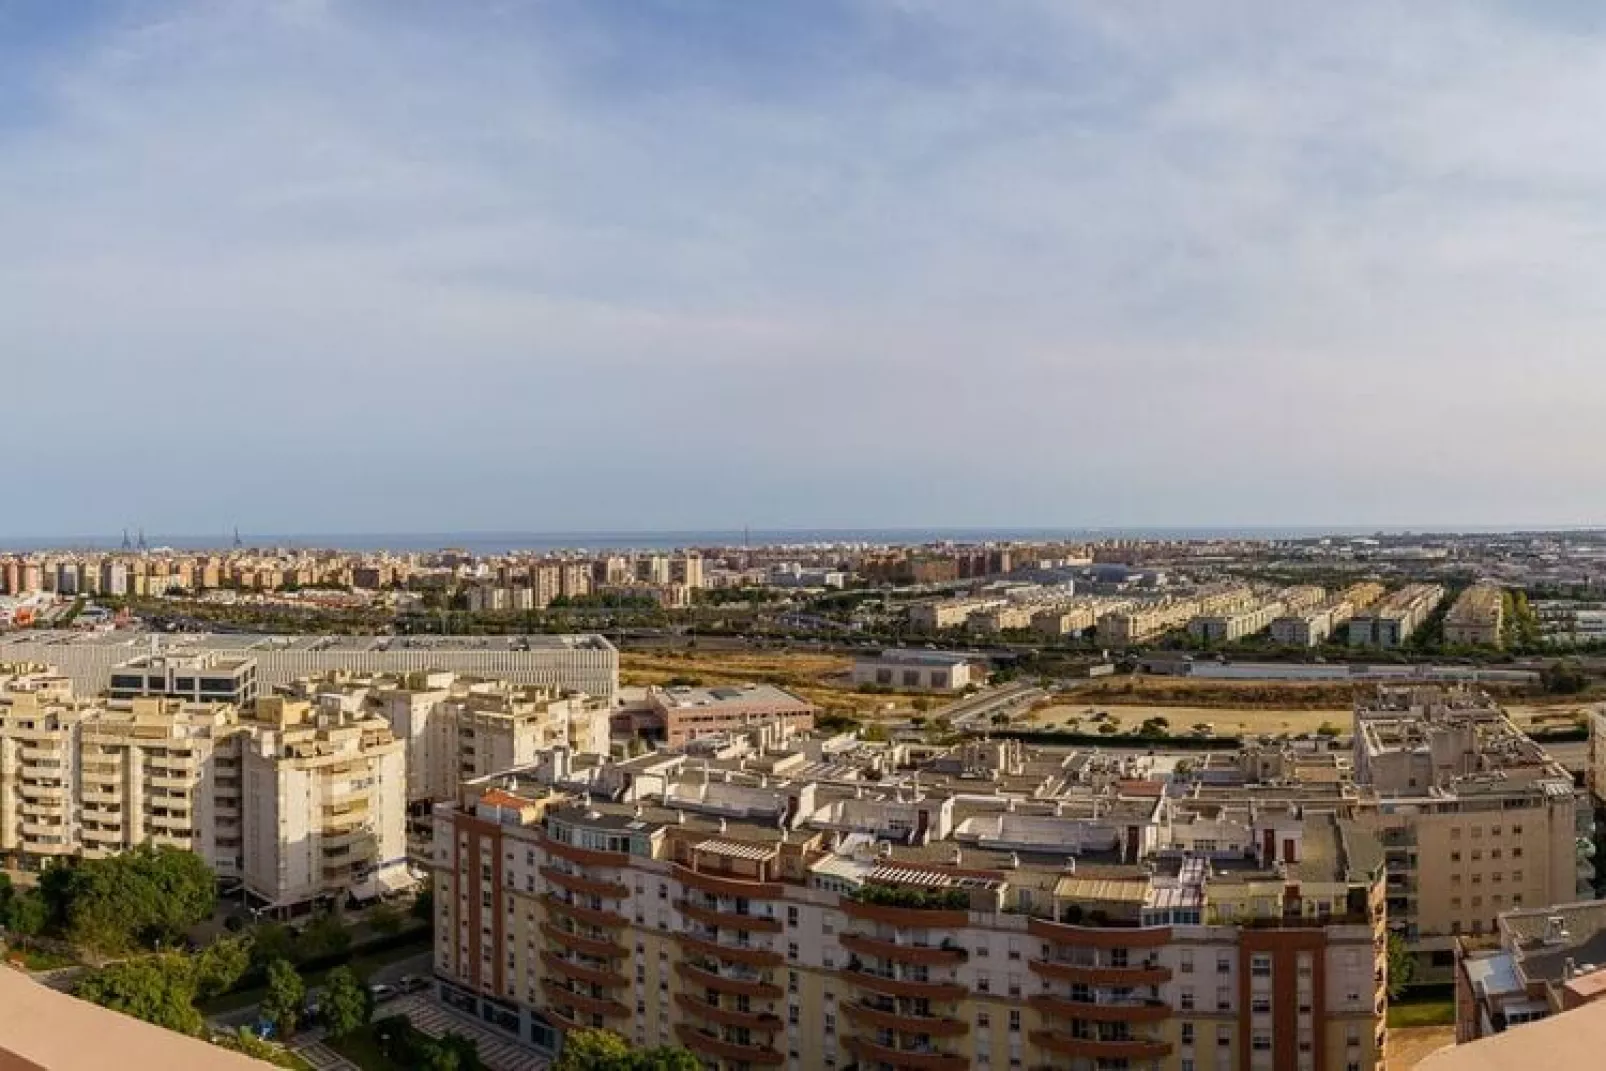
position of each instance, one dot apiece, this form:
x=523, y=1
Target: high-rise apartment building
x=1476, y=819
x=325, y=795
x=796, y=924
x=39, y=729
x=163, y=772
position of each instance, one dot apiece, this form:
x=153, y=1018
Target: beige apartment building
x=1229, y=627
x=1476, y=819
x=1312, y=626
x=923, y=922
x=39, y=729
x=325, y=795
x=1391, y=620
x=1476, y=617
x=163, y=772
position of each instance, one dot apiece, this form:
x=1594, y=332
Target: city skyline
x=343, y=266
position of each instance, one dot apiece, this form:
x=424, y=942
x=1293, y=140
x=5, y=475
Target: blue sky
x=332, y=265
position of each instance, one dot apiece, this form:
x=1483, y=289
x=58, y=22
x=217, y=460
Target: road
x=974, y=712
x=420, y=964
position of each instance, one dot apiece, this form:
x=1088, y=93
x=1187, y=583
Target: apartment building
x=39, y=730
x=1071, y=619
x=1476, y=819
x=916, y=923
x=455, y=728
x=1312, y=626
x=325, y=793
x=163, y=772
x=1476, y=617
x=1391, y=620
x=1541, y=962
x=939, y=614
x=200, y=678
x=683, y=714
x=1230, y=627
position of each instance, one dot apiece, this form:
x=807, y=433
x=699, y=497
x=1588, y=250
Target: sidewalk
x=496, y=1051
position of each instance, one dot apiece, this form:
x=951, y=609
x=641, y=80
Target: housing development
x=1011, y=807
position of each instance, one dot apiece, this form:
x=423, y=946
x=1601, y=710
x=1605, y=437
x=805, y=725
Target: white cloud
x=923, y=262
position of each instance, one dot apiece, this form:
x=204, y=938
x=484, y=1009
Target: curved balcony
x=766, y=1022
x=717, y=1047
x=1093, y=1049
x=583, y=1002
x=578, y=942
x=1132, y=1011
x=910, y=918
x=925, y=955
x=583, y=856
x=1061, y=933
x=933, y=1025
x=727, y=920
x=582, y=973
x=589, y=915
x=753, y=957
x=576, y=883
x=903, y=987
x=720, y=983
x=1122, y=976
x=722, y=885
x=924, y=1059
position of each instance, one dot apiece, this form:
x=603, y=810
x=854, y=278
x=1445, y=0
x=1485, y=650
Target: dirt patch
x=1410, y=1045
x=822, y=679
x=1242, y=695
x=1223, y=721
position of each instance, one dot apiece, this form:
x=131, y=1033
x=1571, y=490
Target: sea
x=484, y=543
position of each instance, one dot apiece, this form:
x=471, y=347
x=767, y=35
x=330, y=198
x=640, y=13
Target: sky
x=560, y=265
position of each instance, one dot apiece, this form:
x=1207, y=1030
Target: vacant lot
x=1410, y=1045
x=822, y=679
x=1226, y=722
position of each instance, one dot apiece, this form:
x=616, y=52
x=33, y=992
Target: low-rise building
x=934, y=671
x=200, y=678
x=1391, y=620
x=683, y=714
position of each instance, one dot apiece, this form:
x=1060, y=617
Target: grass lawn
x=362, y=965
x=35, y=960
x=1422, y=1013
x=362, y=1049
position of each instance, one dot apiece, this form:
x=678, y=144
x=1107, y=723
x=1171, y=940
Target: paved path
x=322, y=1058
x=495, y=1050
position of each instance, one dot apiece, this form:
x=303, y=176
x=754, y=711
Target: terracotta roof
x=1571, y=1039
x=42, y=1028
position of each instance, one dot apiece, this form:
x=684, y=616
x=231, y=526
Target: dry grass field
x=822, y=679
x=1226, y=721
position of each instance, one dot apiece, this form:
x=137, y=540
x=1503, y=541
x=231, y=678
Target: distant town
x=1142, y=803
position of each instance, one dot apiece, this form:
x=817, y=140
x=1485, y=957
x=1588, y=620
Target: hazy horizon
x=605, y=265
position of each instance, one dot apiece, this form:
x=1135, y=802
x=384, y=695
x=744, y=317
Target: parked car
x=411, y=983
x=382, y=991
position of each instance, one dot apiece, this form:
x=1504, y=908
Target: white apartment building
x=325, y=804
x=163, y=772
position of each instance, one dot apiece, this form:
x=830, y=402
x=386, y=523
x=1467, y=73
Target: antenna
x=237, y=543
x=127, y=545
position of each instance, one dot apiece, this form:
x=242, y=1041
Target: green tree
x=158, y=989
x=386, y=919
x=346, y=1003
x=451, y=1052
x=286, y=996
x=325, y=935
x=220, y=966
x=271, y=941
x=593, y=1050
x=28, y=914
x=244, y=1041
x=1401, y=966
x=424, y=907
x=141, y=897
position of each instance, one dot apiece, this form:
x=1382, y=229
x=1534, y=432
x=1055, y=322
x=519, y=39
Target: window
x=1455, y=857
x=983, y=984
x=1494, y=853
x=1260, y=965
x=1477, y=831
x=1187, y=1033
x=1223, y=1036
x=1516, y=875
x=1185, y=1000
x=1516, y=853
x=1118, y=957
x=1186, y=965
x=1260, y=1041
x=1223, y=964
x=1516, y=831
x=791, y=916
x=1223, y=1001
x=791, y=950
x=1014, y=1022
x=1260, y=1005
x=983, y=1021
x=1477, y=854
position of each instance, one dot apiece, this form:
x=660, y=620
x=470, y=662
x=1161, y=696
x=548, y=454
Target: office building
x=679, y=715
x=202, y=678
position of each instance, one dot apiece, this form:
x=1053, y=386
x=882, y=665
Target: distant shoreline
x=505, y=542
